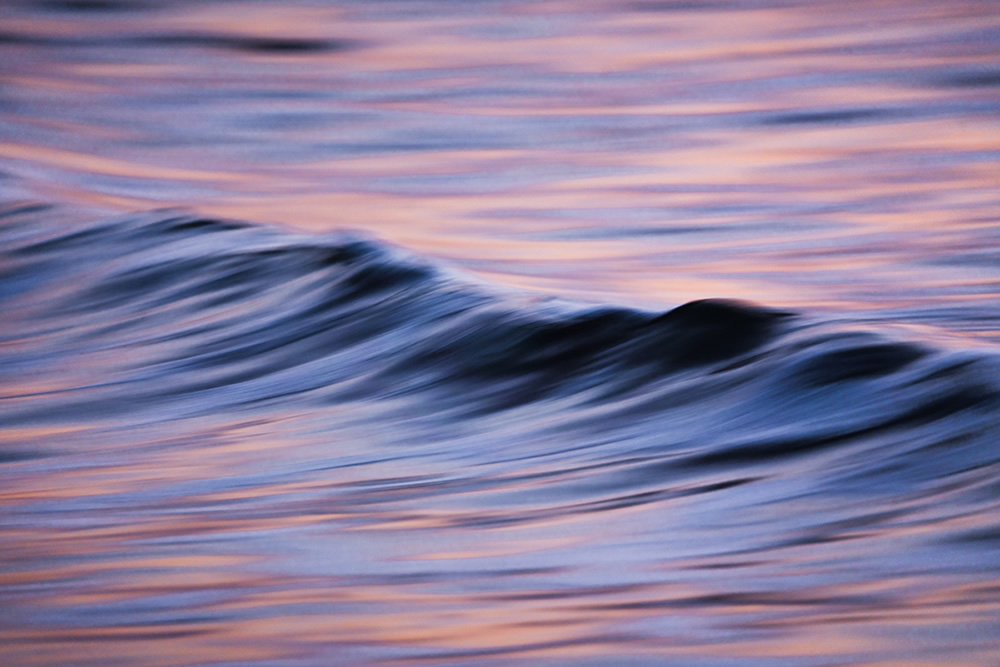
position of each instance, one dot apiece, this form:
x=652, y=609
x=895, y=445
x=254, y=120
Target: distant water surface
x=403, y=332
x=842, y=155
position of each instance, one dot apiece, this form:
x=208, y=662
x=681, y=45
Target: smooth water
x=431, y=359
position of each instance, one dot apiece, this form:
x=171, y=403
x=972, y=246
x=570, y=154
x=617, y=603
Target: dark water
x=663, y=333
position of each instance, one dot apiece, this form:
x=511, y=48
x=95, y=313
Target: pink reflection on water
x=706, y=76
x=839, y=158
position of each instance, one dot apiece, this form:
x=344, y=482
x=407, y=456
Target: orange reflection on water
x=733, y=113
x=91, y=164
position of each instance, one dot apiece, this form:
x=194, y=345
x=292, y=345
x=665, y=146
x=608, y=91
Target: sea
x=488, y=332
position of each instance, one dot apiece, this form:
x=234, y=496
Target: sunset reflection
x=586, y=333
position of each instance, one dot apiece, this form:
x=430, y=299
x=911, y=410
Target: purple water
x=403, y=374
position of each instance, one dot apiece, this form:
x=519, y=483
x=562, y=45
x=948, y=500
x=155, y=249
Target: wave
x=366, y=421
x=176, y=315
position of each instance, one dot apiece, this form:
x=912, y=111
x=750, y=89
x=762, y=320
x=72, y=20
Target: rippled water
x=441, y=367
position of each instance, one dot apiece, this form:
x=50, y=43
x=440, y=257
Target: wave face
x=228, y=443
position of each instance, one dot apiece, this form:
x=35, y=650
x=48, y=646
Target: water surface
x=418, y=366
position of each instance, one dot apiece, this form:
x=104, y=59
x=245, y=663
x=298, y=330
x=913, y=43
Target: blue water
x=499, y=332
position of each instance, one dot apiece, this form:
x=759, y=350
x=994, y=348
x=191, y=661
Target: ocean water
x=499, y=332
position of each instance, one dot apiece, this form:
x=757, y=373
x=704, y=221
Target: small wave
x=246, y=381
x=172, y=309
